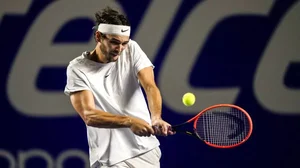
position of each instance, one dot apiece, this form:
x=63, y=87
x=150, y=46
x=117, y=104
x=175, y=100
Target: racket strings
x=223, y=126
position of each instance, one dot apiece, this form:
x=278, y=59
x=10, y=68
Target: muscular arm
x=146, y=77
x=83, y=103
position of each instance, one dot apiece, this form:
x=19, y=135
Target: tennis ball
x=188, y=99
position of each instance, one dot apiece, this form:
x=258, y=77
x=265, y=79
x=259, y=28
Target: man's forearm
x=101, y=119
x=154, y=102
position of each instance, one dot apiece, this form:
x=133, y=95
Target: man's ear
x=97, y=36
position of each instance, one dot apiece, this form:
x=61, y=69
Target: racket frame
x=195, y=119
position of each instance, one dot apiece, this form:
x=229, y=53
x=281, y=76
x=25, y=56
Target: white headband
x=114, y=29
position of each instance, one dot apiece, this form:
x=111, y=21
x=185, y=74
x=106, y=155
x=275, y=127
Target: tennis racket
x=219, y=126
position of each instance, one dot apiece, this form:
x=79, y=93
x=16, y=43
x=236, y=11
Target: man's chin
x=114, y=58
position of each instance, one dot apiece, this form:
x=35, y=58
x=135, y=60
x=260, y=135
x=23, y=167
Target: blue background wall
x=238, y=51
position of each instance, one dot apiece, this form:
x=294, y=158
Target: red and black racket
x=220, y=126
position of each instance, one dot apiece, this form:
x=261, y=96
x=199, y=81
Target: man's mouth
x=114, y=54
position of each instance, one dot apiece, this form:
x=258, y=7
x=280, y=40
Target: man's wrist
x=128, y=122
x=155, y=118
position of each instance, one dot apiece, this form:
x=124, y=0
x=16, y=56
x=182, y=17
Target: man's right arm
x=83, y=103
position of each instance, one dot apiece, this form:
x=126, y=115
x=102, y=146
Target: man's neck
x=97, y=56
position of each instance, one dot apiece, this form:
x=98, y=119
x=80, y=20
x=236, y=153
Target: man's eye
x=114, y=43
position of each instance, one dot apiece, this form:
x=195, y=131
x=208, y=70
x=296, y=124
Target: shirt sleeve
x=140, y=59
x=76, y=81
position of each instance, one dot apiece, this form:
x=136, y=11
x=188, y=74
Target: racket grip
x=174, y=128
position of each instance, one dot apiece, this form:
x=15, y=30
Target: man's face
x=112, y=46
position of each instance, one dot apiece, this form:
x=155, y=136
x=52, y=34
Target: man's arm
x=83, y=103
x=146, y=77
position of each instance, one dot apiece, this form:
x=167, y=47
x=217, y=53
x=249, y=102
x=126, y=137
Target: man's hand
x=140, y=127
x=161, y=127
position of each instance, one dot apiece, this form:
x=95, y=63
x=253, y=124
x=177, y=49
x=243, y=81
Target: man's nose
x=120, y=47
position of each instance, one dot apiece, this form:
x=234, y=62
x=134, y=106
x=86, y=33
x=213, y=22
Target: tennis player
x=104, y=86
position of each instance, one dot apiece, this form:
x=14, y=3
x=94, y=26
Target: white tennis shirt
x=116, y=90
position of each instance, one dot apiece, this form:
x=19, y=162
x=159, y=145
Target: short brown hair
x=111, y=16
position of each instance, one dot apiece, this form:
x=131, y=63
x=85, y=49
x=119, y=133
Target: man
x=104, y=86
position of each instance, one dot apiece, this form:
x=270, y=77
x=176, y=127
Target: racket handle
x=177, y=127
x=157, y=127
x=173, y=128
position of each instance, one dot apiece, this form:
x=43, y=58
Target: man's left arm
x=146, y=78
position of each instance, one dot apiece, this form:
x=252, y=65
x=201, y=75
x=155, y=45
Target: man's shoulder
x=133, y=47
x=132, y=44
x=77, y=61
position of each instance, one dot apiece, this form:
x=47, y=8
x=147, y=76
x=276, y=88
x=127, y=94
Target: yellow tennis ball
x=188, y=99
